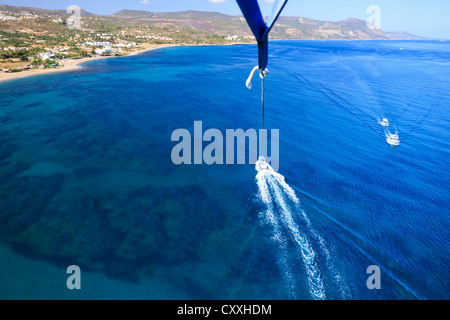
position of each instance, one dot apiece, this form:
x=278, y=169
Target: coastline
x=72, y=64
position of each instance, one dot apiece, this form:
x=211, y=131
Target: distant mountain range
x=192, y=26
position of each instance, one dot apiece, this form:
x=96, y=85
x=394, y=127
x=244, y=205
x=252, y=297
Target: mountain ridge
x=204, y=26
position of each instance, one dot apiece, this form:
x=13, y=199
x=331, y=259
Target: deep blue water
x=86, y=176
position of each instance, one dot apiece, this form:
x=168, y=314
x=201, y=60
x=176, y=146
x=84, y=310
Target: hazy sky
x=429, y=18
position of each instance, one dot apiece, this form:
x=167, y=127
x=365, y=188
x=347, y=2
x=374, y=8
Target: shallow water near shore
x=87, y=178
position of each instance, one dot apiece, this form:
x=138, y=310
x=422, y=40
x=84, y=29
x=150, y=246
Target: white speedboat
x=262, y=164
x=384, y=122
x=392, y=139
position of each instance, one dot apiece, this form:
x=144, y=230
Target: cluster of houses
x=98, y=44
x=233, y=38
x=238, y=38
x=107, y=47
x=101, y=48
x=46, y=56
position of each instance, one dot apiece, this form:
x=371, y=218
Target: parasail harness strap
x=262, y=74
x=252, y=14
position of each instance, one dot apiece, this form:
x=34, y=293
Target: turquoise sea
x=86, y=176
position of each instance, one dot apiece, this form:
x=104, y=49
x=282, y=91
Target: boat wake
x=284, y=214
x=413, y=121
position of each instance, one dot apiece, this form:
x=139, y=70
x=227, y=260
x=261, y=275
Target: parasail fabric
x=252, y=13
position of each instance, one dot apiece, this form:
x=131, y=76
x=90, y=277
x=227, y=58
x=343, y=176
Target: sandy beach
x=69, y=65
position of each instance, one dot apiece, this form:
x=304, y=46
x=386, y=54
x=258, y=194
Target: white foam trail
x=289, y=191
x=264, y=179
x=307, y=253
x=286, y=270
x=263, y=189
x=343, y=287
x=316, y=283
x=287, y=273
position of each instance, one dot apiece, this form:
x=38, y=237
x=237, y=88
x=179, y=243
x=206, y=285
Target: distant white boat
x=392, y=139
x=262, y=164
x=384, y=122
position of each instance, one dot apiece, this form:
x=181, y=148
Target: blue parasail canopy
x=252, y=13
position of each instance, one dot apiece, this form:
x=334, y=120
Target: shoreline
x=72, y=64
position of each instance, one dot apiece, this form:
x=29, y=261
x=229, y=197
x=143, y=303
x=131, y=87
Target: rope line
x=262, y=74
